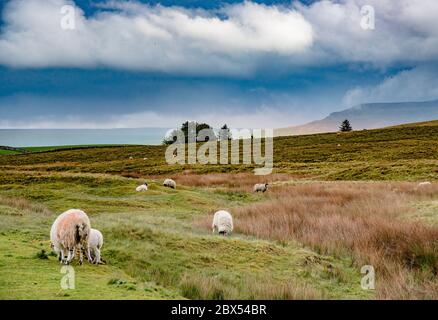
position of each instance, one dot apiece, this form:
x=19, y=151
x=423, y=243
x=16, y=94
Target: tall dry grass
x=250, y=288
x=228, y=180
x=24, y=205
x=362, y=220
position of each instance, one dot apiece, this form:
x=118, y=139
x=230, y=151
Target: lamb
x=143, y=187
x=222, y=223
x=260, y=187
x=70, y=231
x=95, y=243
x=169, y=183
x=424, y=184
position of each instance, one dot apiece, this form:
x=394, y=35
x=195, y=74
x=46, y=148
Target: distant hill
x=369, y=116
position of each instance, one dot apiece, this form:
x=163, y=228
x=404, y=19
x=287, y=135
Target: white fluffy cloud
x=411, y=85
x=405, y=30
x=136, y=36
x=233, y=40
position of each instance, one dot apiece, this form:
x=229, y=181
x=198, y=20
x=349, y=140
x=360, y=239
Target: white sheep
x=69, y=232
x=95, y=243
x=143, y=187
x=222, y=223
x=260, y=187
x=169, y=183
x=424, y=184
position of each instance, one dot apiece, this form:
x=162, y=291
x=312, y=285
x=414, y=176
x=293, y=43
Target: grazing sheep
x=424, y=184
x=169, y=183
x=260, y=187
x=95, y=243
x=222, y=223
x=143, y=187
x=131, y=158
x=69, y=232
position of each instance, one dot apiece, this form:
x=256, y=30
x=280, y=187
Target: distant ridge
x=369, y=116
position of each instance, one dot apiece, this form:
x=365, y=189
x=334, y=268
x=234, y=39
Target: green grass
x=34, y=278
x=427, y=212
x=8, y=152
x=151, y=241
x=70, y=147
x=58, y=148
x=153, y=248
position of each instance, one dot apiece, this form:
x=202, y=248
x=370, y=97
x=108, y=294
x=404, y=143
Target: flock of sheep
x=71, y=233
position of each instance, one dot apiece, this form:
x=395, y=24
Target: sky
x=259, y=64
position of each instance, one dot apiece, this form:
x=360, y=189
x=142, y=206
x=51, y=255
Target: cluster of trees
x=193, y=129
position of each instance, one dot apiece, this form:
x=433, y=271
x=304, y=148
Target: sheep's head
x=223, y=231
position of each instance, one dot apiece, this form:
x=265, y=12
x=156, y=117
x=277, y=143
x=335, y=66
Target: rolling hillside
x=369, y=116
x=407, y=152
x=159, y=245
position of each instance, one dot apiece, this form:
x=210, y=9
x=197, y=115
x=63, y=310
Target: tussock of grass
x=249, y=288
x=24, y=205
x=42, y=255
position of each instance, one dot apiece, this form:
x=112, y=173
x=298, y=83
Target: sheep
x=69, y=232
x=143, y=187
x=131, y=158
x=260, y=187
x=222, y=223
x=424, y=184
x=169, y=183
x=95, y=243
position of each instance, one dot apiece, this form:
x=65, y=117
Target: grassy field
x=337, y=202
x=8, y=152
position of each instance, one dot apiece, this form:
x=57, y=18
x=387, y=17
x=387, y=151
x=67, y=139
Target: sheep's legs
x=90, y=259
x=70, y=256
x=62, y=256
x=59, y=256
x=97, y=261
x=81, y=256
